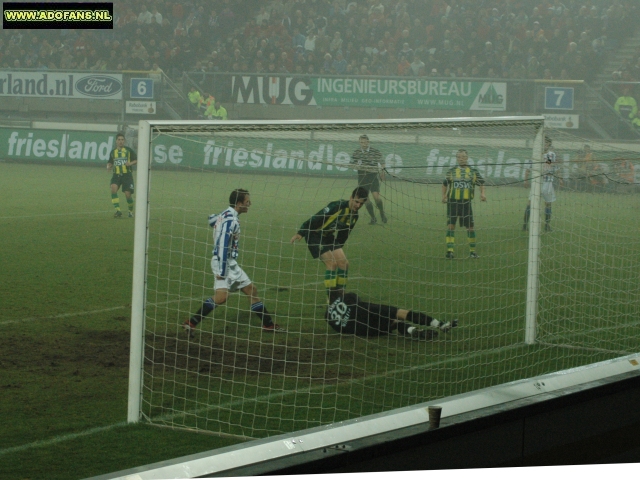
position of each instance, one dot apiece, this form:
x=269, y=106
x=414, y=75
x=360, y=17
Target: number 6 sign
x=141, y=88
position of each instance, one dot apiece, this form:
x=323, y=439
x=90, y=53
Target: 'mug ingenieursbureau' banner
x=370, y=92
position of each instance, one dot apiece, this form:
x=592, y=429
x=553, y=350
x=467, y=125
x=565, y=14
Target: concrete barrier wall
x=592, y=423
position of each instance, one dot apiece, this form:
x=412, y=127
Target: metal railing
x=173, y=99
x=189, y=81
x=623, y=128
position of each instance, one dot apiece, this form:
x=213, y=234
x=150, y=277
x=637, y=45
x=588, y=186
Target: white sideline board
x=280, y=446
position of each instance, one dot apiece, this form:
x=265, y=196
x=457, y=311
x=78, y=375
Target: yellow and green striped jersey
x=335, y=221
x=461, y=182
x=119, y=158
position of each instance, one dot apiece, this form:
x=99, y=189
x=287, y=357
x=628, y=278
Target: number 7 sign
x=558, y=98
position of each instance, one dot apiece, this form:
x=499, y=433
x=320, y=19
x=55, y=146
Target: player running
x=229, y=276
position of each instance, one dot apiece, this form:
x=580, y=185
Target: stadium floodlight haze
x=533, y=302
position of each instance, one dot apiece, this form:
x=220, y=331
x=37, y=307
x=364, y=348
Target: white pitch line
x=122, y=307
x=62, y=315
x=71, y=214
x=168, y=417
x=59, y=439
x=74, y=214
x=272, y=396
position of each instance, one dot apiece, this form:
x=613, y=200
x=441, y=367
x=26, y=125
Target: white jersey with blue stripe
x=226, y=231
x=549, y=166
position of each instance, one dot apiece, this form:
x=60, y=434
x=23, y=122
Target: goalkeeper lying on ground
x=349, y=314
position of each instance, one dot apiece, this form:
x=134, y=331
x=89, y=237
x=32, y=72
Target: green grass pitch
x=66, y=293
x=239, y=381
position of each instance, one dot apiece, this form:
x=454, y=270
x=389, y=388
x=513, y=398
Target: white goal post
x=528, y=306
x=139, y=273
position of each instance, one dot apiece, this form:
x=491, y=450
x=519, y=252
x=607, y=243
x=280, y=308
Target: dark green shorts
x=125, y=181
x=460, y=211
x=319, y=244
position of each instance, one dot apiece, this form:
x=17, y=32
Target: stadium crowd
x=533, y=39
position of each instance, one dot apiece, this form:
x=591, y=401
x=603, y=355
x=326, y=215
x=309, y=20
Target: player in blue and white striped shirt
x=547, y=191
x=229, y=277
x=226, y=231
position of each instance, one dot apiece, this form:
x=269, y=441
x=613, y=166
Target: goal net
x=589, y=297
x=537, y=300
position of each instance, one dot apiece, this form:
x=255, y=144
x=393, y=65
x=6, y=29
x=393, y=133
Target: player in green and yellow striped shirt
x=121, y=161
x=326, y=233
x=457, y=192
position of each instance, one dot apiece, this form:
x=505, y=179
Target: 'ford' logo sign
x=98, y=86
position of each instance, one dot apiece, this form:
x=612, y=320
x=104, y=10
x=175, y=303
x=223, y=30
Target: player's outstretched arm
x=295, y=238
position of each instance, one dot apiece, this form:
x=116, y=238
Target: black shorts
x=462, y=211
x=370, y=181
x=319, y=244
x=125, y=181
x=372, y=320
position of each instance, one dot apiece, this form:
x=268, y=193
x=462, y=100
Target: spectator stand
x=627, y=124
x=496, y=39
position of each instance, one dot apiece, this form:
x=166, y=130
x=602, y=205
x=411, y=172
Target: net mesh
x=234, y=378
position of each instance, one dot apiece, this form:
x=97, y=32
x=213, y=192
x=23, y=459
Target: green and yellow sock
x=116, y=201
x=471, y=238
x=450, y=240
x=130, y=204
x=330, y=280
x=341, y=278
